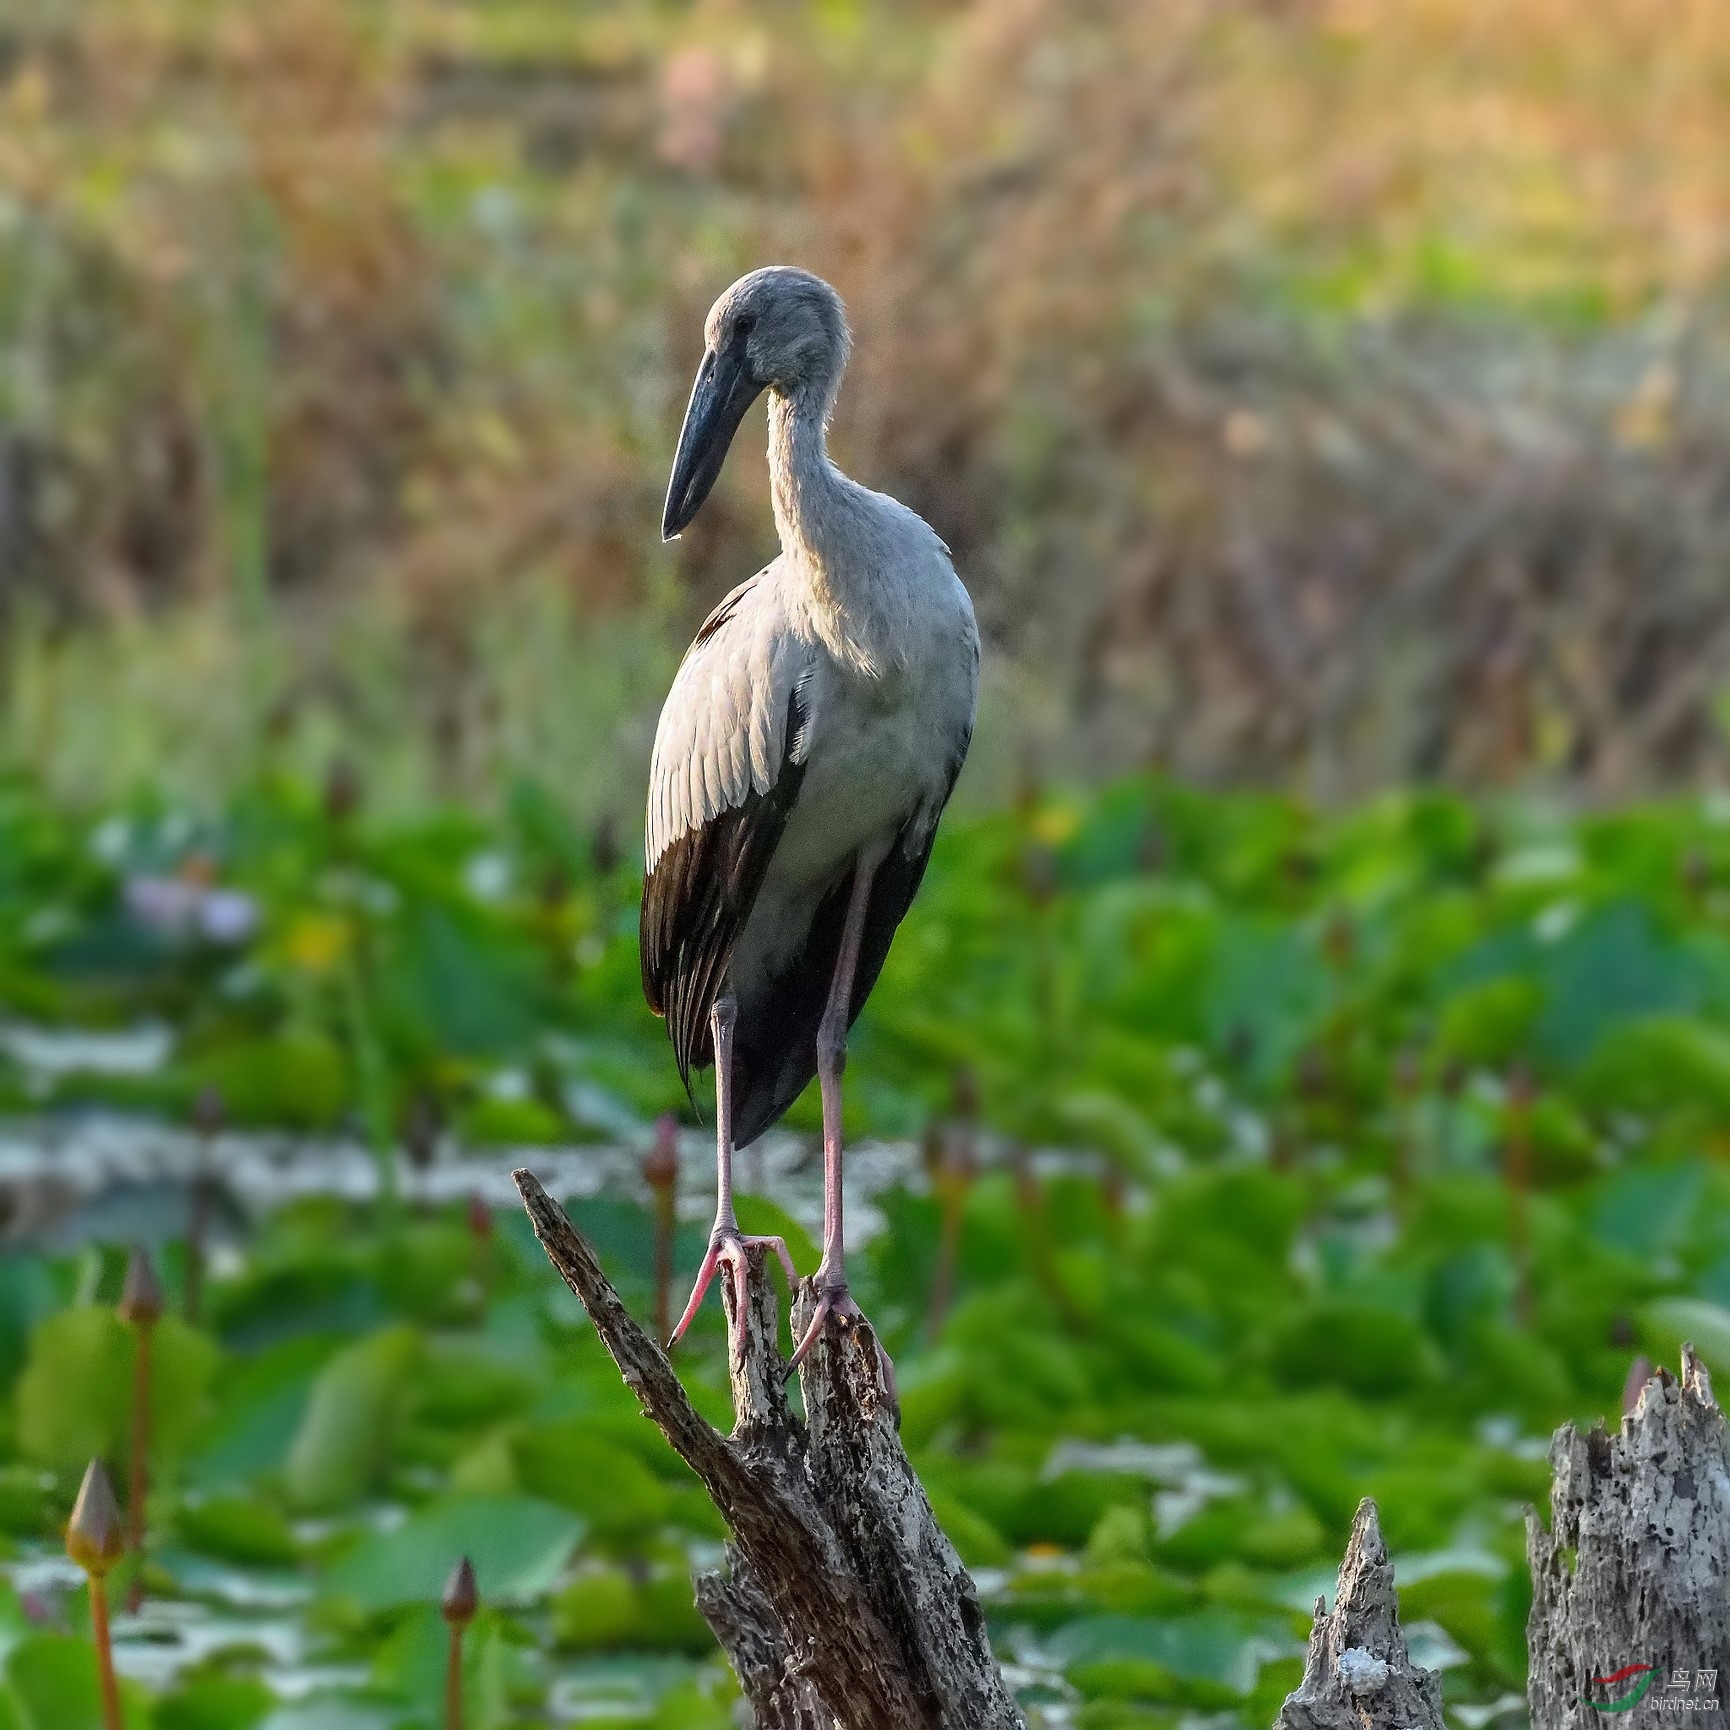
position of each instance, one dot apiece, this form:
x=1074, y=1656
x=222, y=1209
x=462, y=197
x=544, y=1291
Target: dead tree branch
x=1358, y=1675
x=1636, y=1565
x=842, y=1604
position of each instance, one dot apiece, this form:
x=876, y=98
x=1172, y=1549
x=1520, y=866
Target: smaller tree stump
x=843, y=1606
x=1359, y=1675
x=1635, y=1569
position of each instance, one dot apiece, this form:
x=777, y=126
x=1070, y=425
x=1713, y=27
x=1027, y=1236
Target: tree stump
x=1359, y=1675
x=842, y=1606
x=1634, y=1573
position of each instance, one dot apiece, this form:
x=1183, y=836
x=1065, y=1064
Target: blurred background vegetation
x=1307, y=1070
x=1326, y=393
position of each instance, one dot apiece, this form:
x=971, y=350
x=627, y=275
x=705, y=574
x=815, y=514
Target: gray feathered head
x=779, y=329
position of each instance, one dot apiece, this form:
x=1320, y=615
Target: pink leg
x=726, y=1244
x=833, y=1298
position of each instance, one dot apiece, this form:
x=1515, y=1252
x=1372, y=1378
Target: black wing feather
x=727, y=607
x=698, y=897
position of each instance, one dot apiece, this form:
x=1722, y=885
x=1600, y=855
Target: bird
x=806, y=750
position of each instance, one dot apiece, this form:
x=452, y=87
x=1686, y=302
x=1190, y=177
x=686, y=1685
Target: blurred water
x=115, y=1177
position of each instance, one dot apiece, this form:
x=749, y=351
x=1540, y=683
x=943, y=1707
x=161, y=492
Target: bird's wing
x=729, y=758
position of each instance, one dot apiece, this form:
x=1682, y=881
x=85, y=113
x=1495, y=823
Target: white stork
x=805, y=753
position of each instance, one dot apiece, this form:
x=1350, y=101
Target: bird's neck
x=834, y=535
x=812, y=496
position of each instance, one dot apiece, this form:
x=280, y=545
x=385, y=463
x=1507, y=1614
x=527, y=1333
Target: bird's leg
x=726, y=1243
x=833, y=1298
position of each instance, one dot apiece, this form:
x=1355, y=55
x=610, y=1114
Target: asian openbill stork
x=805, y=753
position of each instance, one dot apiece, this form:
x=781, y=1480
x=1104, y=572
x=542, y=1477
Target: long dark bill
x=723, y=391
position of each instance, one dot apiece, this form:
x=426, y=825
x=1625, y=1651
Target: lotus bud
x=96, y=1535
x=141, y=1299
x=461, y=1596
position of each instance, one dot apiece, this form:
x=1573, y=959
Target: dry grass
x=1305, y=387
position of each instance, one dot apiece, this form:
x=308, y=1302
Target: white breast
x=881, y=751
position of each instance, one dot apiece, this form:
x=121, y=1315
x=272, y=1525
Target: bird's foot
x=835, y=1300
x=728, y=1244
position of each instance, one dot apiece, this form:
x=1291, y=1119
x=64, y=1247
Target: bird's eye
x=744, y=326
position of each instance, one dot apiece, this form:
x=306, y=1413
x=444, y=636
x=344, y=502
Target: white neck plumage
x=863, y=560
x=810, y=493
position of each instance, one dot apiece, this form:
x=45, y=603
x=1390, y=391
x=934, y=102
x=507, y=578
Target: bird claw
x=728, y=1244
x=833, y=1301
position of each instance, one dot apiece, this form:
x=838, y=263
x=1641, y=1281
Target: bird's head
x=778, y=329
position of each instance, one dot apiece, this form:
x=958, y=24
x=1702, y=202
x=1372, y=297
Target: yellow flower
x=316, y=942
x=1055, y=824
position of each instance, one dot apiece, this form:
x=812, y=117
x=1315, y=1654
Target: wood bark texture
x=842, y=1605
x=1358, y=1675
x=1635, y=1568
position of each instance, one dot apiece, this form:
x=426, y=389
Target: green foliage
x=518, y=1547
x=1274, y=1249
x=238, y=1529
x=213, y=1701
x=52, y=1684
x=598, y=1611
x=411, y=1666
x=570, y=1464
x=75, y=1394
x=342, y=1447
x=297, y=1079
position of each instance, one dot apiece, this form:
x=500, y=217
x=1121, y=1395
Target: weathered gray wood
x=1635, y=1567
x=878, y=1510
x=843, y=1606
x=1359, y=1675
x=745, y=1623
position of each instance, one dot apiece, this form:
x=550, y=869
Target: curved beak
x=723, y=391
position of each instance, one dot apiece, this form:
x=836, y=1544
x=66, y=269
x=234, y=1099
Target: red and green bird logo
x=1626, y=1675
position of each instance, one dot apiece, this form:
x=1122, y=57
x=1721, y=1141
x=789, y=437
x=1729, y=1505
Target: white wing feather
x=723, y=727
